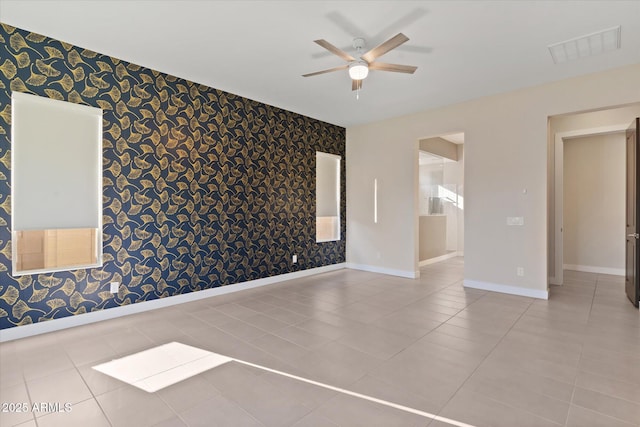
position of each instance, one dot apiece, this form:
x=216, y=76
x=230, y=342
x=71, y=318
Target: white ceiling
x=260, y=49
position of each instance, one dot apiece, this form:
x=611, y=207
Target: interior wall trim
x=439, y=258
x=25, y=331
x=382, y=270
x=595, y=269
x=507, y=289
x=558, y=185
x=554, y=281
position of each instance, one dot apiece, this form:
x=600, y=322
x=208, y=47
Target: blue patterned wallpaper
x=202, y=188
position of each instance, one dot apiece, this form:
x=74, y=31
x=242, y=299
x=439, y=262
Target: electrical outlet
x=114, y=287
x=520, y=271
x=294, y=259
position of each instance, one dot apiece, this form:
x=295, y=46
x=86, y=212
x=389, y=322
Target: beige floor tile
x=521, y=397
x=607, y=405
x=335, y=364
x=61, y=387
x=582, y=417
x=284, y=315
x=321, y=328
x=129, y=406
x=16, y=405
x=363, y=312
x=11, y=371
x=350, y=411
x=620, y=389
x=82, y=414
x=394, y=392
x=309, y=395
x=241, y=329
x=407, y=324
x=611, y=369
x=279, y=347
x=475, y=356
x=89, y=351
x=211, y=315
x=512, y=375
x=266, y=323
x=480, y=410
x=315, y=420
x=468, y=334
x=480, y=348
x=375, y=341
x=236, y=311
x=220, y=412
x=301, y=337
x=171, y=422
x=127, y=341
x=188, y=393
x=266, y=401
x=44, y=362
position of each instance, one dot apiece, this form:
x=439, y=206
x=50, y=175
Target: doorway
x=440, y=198
x=577, y=208
x=593, y=203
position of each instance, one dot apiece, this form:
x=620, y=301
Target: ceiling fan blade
x=385, y=47
x=396, y=68
x=342, y=67
x=335, y=50
x=356, y=84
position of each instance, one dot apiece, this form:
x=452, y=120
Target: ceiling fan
x=359, y=67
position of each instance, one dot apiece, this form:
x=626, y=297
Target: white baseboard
x=24, y=331
x=594, y=269
x=440, y=258
x=507, y=289
x=382, y=270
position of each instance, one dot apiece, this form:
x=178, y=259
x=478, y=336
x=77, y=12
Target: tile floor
x=481, y=358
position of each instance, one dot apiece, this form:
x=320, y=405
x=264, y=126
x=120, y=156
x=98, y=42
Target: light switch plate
x=515, y=220
x=114, y=287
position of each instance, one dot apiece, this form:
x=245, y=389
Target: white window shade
x=56, y=185
x=56, y=164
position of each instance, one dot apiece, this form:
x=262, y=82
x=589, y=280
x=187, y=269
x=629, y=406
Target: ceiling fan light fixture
x=358, y=70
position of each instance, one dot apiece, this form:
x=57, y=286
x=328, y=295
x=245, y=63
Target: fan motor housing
x=358, y=44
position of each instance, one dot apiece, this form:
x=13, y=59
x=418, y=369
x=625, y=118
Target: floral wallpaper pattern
x=201, y=188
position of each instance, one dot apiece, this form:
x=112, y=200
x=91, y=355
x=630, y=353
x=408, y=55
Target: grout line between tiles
x=485, y=358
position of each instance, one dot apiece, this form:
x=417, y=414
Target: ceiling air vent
x=589, y=45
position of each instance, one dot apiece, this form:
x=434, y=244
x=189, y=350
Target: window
x=56, y=191
x=327, y=197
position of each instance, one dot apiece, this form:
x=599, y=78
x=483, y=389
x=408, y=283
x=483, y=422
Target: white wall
x=454, y=176
x=430, y=174
x=511, y=127
x=594, y=203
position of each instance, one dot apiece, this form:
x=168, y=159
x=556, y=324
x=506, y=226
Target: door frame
x=416, y=195
x=558, y=175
